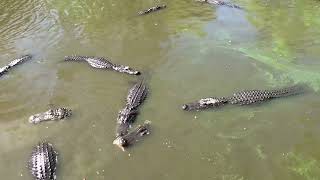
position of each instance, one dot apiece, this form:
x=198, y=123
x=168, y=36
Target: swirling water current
x=186, y=51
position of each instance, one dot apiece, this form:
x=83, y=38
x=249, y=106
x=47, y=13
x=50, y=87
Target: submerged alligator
x=102, y=63
x=51, y=115
x=43, y=162
x=127, y=115
x=220, y=3
x=13, y=63
x=152, y=9
x=243, y=98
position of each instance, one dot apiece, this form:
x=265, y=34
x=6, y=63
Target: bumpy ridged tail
x=43, y=162
x=76, y=58
x=288, y=91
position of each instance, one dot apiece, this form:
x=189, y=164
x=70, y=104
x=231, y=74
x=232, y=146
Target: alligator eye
x=184, y=107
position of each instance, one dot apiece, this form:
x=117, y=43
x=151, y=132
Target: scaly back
x=254, y=96
x=43, y=162
x=137, y=94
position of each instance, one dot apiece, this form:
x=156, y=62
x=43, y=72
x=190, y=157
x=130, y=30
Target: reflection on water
x=186, y=52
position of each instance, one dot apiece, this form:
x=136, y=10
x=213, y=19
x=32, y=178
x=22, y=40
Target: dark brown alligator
x=43, y=162
x=126, y=117
x=102, y=63
x=243, y=98
x=13, y=63
x=132, y=137
x=128, y=114
x=152, y=9
x=220, y=3
x=51, y=115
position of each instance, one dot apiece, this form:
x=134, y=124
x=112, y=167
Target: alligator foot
x=13, y=63
x=51, y=115
x=102, y=63
x=152, y=9
x=132, y=137
x=43, y=162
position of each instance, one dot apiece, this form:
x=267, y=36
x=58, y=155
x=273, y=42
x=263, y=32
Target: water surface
x=185, y=52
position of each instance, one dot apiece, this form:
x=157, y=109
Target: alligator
x=245, y=97
x=13, y=63
x=51, y=115
x=127, y=115
x=220, y=3
x=132, y=137
x=152, y=9
x=43, y=162
x=102, y=63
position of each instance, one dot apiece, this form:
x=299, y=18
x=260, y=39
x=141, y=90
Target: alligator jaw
x=119, y=141
x=125, y=69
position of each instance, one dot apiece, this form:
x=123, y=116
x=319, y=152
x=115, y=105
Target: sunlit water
x=185, y=52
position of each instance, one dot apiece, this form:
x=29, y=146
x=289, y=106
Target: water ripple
x=27, y=22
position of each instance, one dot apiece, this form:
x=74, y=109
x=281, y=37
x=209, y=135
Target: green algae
x=260, y=153
x=307, y=168
x=288, y=71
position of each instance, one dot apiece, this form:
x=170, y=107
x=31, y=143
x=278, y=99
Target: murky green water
x=186, y=51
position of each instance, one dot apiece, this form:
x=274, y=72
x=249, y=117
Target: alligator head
x=125, y=69
x=132, y=137
x=51, y=114
x=204, y=104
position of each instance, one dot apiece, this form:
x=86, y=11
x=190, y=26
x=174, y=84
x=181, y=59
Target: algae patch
x=308, y=168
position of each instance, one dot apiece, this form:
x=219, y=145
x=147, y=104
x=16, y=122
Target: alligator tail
x=76, y=58
x=288, y=91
